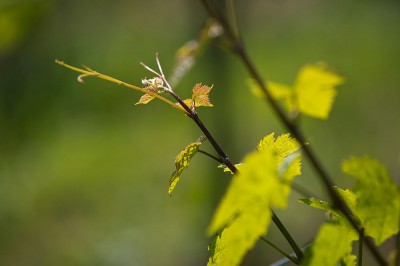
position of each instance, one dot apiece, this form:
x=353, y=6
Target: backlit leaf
x=181, y=162
x=282, y=147
x=200, y=95
x=333, y=242
x=312, y=94
x=378, y=197
x=244, y=212
x=315, y=90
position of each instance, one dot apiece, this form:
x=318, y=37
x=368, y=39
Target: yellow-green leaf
x=200, y=95
x=377, y=196
x=312, y=94
x=315, y=90
x=244, y=209
x=146, y=98
x=243, y=214
x=182, y=162
x=282, y=147
x=333, y=242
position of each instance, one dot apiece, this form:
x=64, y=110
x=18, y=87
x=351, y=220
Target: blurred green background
x=84, y=173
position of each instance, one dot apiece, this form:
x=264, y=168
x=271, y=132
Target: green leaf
x=243, y=214
x=333, y=242
x=283, y=146
x=378, y=197
x=315, y=90
x=312, y=94
x=182, y=162
x=200, y=95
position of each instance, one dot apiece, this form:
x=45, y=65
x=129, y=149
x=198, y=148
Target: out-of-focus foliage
x=375, y=203
x=83, y=170
x=312, y=94
x=17, y=21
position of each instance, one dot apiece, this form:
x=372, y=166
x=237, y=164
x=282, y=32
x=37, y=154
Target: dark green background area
x=84, y=172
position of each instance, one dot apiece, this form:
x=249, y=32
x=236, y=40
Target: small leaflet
x=182, y=162
x=200, y=95
x=146, y=98
x=244, y=213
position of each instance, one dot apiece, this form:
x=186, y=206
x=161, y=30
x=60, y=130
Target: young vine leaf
x=152, y=85
x=312, y=94
x=199, y=97
x=146, y=98
x=182, y=162
x=377, y=197
x=244, y=213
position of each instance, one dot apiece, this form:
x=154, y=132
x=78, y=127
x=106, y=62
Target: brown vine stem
x=239, y=50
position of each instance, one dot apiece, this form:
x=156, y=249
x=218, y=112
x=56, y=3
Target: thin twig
x=211, y=156
x=289, y=257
